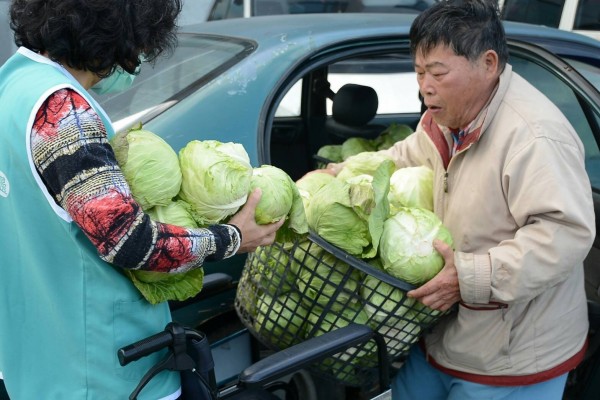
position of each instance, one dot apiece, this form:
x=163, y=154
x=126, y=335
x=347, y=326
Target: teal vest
x=63, y=311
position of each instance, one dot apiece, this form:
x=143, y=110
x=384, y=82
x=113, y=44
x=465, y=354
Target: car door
x=580, y=102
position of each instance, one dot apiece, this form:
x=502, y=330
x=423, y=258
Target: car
x=268, y=84
x=581, y=16
x=227, y=9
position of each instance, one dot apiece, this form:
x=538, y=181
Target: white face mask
x=120, y=80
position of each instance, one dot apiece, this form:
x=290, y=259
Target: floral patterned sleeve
x=71, y=152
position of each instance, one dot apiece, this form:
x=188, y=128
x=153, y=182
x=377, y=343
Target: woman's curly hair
x=96, y=35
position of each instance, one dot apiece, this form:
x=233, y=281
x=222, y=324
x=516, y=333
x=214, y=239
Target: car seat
x=354, y=107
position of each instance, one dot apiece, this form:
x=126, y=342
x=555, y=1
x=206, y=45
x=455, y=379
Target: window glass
x=194, y=61
x=565, y=99
x=392, y=76
x=587, y=17
x=226, y=9
x=291, y=103
x=541, y=12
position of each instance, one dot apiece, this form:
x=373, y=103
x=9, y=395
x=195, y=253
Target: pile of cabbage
x=206, y=183
x=355, y=145
x=374, y=212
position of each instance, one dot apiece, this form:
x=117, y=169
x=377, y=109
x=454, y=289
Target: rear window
x=541, y=12
x=587, y=17
x=197, y=60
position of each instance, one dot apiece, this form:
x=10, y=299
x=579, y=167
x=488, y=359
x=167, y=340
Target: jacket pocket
x=478, y=340
x=135, y=320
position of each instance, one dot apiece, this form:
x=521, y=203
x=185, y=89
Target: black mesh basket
x=320, y=162
x=291, y=292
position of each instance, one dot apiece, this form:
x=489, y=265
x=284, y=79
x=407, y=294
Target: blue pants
x=418, y=380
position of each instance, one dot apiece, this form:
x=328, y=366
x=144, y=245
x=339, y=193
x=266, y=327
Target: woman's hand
x=254, y=235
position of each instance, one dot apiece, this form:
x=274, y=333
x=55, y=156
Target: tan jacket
x=518, y=203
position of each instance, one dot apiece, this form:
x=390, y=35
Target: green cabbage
x=324, y=279
x=400, y=336
x=394, y=133
x=280, y=199
x=350, y=215
x=331, y=152
x=157, y=287
x=309, y=184
x=277, y=193
x=406, y=245
x=149, y=164
x=411, y=187
x=177, y=212
x=362, y=163
x=345, y=365
x=281, y=319
x=355, y=145
x=384, y=302
x=272, y=270
x=216, y=179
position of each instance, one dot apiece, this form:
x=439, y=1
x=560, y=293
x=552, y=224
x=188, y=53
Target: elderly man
x=511, y=186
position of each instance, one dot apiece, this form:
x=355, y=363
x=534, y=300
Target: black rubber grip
x=144, y=347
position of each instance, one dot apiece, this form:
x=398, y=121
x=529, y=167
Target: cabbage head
x=282, y=319
x=355, y=145
x=309, y=184
x=343, y=365
x=280, y=199
x=411, y=187
x=272, y=270
x=157, y=287
x=277, y=193
x=149, y=164
x=384, y=302
x=394, y=133
x=216, y=179
x=331, y=152
x=362, y=163
x=331, y=215
x=406, y=245
x=324, y=279
x=399, y=337
x=177, y=212
x=350, y=214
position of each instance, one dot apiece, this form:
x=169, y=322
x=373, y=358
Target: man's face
x=455, y=89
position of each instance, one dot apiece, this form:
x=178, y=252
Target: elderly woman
x=70, y=223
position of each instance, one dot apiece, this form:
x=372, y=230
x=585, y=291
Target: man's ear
x=491, y=62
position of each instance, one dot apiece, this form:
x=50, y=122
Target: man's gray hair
x=468, y=27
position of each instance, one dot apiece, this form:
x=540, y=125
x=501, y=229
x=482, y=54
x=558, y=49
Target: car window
x=541, y=12
x=392, y=76
x=565, y=99
x=587, y=17
x=195, y=61
x=225, y=9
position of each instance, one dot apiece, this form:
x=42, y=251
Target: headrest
x=354, y=104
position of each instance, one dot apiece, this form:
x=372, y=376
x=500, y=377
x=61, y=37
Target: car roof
x=320, y=30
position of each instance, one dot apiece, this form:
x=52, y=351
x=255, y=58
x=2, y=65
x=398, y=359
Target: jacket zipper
x=446, y=182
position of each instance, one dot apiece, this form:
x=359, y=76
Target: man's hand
x=442, y=291
x=254, y=235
